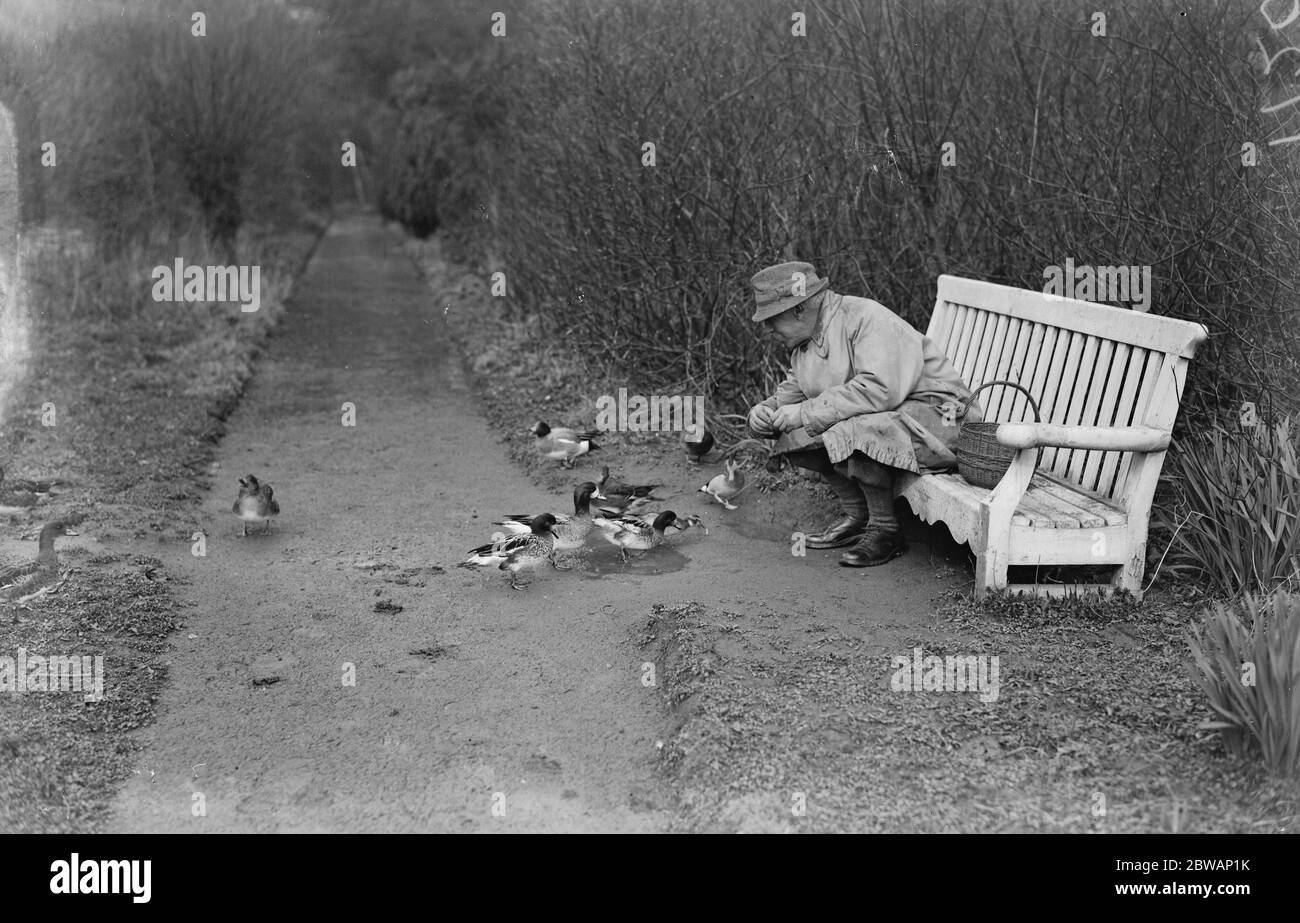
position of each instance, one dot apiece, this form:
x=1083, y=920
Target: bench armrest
x=1106, y=438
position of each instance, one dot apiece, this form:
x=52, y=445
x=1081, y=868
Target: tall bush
x=1122, y=149
x=156, y=127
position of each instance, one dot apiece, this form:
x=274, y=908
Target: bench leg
x=990, y=571
x=1128, y=576
x=994, y=526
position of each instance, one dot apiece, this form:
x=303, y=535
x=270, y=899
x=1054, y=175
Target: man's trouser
x=857, y=467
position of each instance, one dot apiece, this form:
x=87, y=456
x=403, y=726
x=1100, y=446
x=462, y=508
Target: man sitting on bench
x=867, y=397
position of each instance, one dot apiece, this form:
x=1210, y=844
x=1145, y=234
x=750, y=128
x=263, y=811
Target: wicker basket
x=981, y=459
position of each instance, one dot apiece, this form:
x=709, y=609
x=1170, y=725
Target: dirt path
x=471, y=689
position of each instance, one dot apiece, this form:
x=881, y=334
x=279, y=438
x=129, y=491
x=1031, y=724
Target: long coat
x=869, y=382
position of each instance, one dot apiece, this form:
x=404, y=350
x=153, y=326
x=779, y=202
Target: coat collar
x=820, y=342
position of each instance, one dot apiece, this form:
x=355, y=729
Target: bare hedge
x=1117, y=149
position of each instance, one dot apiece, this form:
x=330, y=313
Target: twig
x=1159, y=563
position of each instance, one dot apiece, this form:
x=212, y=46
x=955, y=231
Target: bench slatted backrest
x=1085, y=364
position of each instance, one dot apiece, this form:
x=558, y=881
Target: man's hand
x=786, y=418
x=760, y=420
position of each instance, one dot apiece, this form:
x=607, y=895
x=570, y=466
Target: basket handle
x=1011, y=384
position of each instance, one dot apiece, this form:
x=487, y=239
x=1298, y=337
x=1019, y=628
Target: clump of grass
x=1235, y=514
x=1250, y=672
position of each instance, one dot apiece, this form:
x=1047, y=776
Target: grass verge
x=1094, y=728
x=140, y=404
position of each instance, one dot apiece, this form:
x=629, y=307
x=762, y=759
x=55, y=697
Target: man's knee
x=813, y=460
x=867, y=471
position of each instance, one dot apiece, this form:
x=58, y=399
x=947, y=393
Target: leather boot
x=876, y=547
x=845, y=532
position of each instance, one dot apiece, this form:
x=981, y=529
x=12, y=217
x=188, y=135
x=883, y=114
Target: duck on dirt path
x=255, y=503
x=635, y=533
x=570, y=531
x=517, y=553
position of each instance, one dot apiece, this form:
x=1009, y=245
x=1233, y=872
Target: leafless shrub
x=1115, y=150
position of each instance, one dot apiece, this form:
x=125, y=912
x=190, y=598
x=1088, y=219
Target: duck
x=15, y=502
x=562, y=444
x=256, y=503
x=635, y=533
x=517, y=553
x=23, y=485
x=696, y=449
x=621, y=504
x=725, y=486
x=20, y=494
x=617, y=498
x=608, y=487
x=692, y=520
x=683, y=522
x=22, y=583
x=570, y=531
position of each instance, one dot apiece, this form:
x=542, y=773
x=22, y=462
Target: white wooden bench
x=1108, y=382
